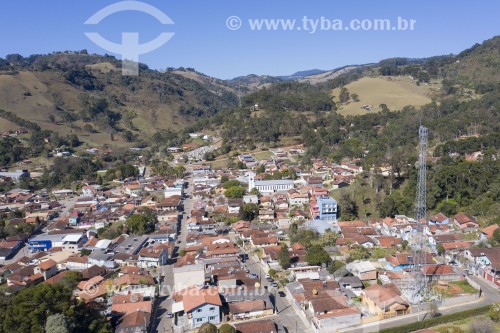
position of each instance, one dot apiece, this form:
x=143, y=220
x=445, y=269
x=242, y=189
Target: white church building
x=269, y=186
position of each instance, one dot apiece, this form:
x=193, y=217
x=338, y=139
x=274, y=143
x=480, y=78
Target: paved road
x=164, y=324
x=161, y=323
x=285, y=312
x=490, y=294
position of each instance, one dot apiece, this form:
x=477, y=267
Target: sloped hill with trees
x=85, y=94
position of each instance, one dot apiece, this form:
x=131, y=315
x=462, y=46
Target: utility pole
x=275, y=302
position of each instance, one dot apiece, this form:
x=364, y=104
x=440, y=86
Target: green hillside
x=87, y=95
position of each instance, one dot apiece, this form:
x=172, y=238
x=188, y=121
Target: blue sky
x=203, y=41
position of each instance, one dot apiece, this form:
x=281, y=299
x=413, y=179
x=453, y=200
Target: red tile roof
x=47, y=264
x=127, y=308
x=194, y=297
x=488, y=231
x=258, y=326
x=457, y=245
x=438, y=270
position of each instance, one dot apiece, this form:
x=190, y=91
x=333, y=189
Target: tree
x=284, y=257
x=231, y=183
x=355, y=97
x=272, y=273
x=58, y=323
x=73, y=140
x=85, y=252
x=495, y=240
x=71, y=279
x=31, y=307
x=182, y=253
x=440, y=249
x=359, y=253
x=226, y=328
x=179, y=170
x=494, y=312
x=482, y=326
x=348, y=207
x=448, y=207
x=335, y=266
x=249, y=211
x=139, y=224
x=207, y=328
x=433, y=310
x=209, y=156
x=404, y=244
x=235, y=192
x=344, y=95
x=256, y=192
x=304, y=237
x=240, y=165
x=316, y=255
x=128, y=136
x=30, y=310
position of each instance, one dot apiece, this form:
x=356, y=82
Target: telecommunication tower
x=419, y=290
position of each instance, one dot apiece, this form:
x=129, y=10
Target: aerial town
x=234, y=246
x=249, y=166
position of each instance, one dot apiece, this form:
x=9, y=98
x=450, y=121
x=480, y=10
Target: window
x=212, y=308
x=211, y=318
x=198, y=320
x=199, y=310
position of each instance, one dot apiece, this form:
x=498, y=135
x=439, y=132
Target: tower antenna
x=419, y=291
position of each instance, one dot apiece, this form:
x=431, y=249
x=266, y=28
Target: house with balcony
x=326, y=208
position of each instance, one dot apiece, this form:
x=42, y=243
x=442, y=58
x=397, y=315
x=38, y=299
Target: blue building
x=45, y=242
x=200, y=304
x=327, y=208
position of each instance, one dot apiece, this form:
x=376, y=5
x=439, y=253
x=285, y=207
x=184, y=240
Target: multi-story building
x=327, y=208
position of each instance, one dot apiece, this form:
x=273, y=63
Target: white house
x=153, y=256
x=171, y=191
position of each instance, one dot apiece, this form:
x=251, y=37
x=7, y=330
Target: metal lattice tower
x=420, y=290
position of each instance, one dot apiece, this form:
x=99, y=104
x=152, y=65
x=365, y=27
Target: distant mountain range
x=254, y=82
x=85, y=94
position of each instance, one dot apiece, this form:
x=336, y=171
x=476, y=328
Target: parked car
x=274, y=284
x=170, y=315
x=270, y=279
